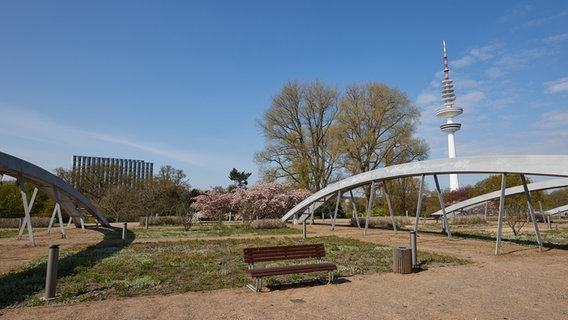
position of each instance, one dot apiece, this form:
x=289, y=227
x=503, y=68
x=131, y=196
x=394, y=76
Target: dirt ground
x=521, y=283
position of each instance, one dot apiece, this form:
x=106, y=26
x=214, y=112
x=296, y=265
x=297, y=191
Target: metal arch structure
x=539, y=165
x=64, y=195
x=557, y=211
x=536, y=186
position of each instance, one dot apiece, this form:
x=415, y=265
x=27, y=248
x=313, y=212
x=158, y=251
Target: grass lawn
x=205, y=230
x=102, y=272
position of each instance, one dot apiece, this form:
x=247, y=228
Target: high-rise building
x=449, y=112
x=111, y=170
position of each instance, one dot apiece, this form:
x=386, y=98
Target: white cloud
x=556, y=38
x=495, y=72
x=520, y=58
x=35, y=132
x=470, y=101
x=476, y=54
x=552, y=119
x=427, y=98
x=556, y=86
x=545, y=20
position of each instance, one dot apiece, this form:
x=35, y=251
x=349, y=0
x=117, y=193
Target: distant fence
x=17, y=222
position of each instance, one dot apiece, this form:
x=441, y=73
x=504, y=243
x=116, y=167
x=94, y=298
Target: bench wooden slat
x=262, y=254
x=276, y=253
x=299, y=268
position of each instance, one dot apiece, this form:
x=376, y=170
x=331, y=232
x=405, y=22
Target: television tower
x=448, y=112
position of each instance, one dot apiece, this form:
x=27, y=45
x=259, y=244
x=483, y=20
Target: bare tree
x=515, y=217
x=297, y=130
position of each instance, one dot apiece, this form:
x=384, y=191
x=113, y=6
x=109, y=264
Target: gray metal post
x=355, y=209
x=441, y=199
x=413, y=247
x=419, y=205
x=531, y=211
x=391, y=213
x=124, y=233
x=501, y=214
x=51, y=277
x=369, y=206
x=336, y=209
x=304, y=229
x=146, y=222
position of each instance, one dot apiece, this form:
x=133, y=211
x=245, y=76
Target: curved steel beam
x=557, y=211
x=535, y=186
x=69, y=198
x=544, y=165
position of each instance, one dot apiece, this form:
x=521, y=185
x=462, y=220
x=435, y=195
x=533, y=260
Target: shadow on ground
x=305, y=284
x=18, y=285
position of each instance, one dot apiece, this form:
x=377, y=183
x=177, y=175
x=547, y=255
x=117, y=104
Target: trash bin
x=402, y=260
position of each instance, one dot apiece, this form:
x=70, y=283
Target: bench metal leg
x=330, y=277
x=258, y=285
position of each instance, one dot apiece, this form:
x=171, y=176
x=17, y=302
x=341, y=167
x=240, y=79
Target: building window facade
x=124, y=172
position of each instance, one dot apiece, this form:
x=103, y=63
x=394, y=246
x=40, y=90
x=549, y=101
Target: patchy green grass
x=102, y=272
x=8, y=233
x=553, y=238
x=206, y=230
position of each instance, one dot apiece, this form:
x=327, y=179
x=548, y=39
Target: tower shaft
x=449, y=112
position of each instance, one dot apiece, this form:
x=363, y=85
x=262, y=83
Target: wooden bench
x=267, y=254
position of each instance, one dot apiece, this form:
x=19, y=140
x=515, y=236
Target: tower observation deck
x=449, y=112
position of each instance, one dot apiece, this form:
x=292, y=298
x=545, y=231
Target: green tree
x=240, y=178
x=297, y=131
x=557, y=198
x=11, y=205
x=166, y=191
x=376, y=126
x=119, y=203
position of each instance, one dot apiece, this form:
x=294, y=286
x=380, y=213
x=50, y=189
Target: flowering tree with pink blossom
x=263, y=200
x=213, y=204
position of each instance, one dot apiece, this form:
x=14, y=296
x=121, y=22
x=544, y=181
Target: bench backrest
x=252, y=255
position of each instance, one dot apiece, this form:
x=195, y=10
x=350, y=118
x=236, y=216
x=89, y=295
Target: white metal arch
x=536, y=186
x=64, y=195
x=542, y=165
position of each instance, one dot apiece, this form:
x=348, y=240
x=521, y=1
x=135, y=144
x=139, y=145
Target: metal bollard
x=304, y=229
x=413, y=247
x=124, y=233
x=51, y=277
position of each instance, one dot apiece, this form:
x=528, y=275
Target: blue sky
x=182, y=83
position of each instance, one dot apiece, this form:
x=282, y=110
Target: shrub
x=162, y=220
x=267, y=224
x=383, y=222
x=468, y=220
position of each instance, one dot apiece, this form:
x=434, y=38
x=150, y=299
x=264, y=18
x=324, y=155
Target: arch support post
x=441, y=198
x=355, y=209
x=531, y=211
x=56, y=210
x=419, y=204
x=369, y=206
x=336, y=209
x=387, y=194
x=501, y=213
x=27, y=210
